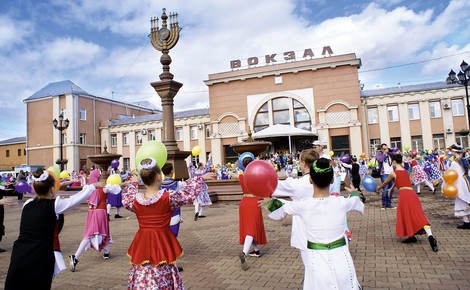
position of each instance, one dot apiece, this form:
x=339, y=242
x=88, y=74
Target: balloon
x=363, y=155
x=260, y=178
x=23, y=187
x=369, y=183
x=64, y=174
x=427, y=168
x=56, y=179
x=446, y=151
x=413, y=153
x=332, y=153
x=154, y=149
x=115, y=163
x=450, y=190
x=450, y=176
x=196, y=150
x=54, y=169
x=406, y=147
x=344, y=158
x=114, y=179
x=429, y=151
x=243, y=156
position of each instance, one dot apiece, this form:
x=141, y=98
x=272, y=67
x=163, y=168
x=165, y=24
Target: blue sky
x=102, y=46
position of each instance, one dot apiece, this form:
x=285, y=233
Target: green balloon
x=407, y=147
x=153, y=149
x=54, y=169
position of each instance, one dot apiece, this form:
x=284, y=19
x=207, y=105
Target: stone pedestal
x=177, y=158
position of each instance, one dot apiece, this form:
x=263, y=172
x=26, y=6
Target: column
x=426, y=124
x=55, y=133
x=447, y=119
x=404, y=125
x=217, y=150
x=383, y=123
x=132, y=151
x=356, y=141
x=201, y=135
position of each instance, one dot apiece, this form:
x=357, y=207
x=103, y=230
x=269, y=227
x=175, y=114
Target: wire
x=127, y=71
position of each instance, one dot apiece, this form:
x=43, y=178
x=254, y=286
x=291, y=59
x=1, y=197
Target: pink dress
x=155, y=249
x=97, y=224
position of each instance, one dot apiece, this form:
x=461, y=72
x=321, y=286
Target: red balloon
x=260, y=178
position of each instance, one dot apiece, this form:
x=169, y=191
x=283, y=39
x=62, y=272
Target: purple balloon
x=344, y=158
x=427, y=168
x=115, y=163
x=23, y=187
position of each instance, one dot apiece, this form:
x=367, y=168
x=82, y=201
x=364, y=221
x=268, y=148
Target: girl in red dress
x=155, y=249
x=251, y=222
x=410, y=216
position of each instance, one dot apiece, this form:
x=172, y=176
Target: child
x=155, y=249
x=169, y=183
x=419, y=176
x=251, y=224
x=203, y=199
x=355, y=176
x=434, y=174
x=328, y=264
x=33, y=251
x=410, y=216
x=96, y=233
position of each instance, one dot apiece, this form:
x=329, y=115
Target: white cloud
x=13, y=32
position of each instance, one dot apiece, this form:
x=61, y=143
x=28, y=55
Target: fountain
x=103, y=160
x=250, y=145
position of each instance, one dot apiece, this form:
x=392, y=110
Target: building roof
x=407, y=89
x=16, y=140
x=126, y=120
x=146, y=104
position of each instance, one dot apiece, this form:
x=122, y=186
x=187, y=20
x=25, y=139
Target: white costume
x=329, y=263
x=462, y=200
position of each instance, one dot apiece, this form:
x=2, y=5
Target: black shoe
x=73, y=263
x=201, y=216
x=243, y=262
x=108, y=217
x=106, y=256
x=433, y=243
x=2, y=250
x=116, y=216
x=464, y=226
x=196, y=216
x=180, y=269
x=410, y=240
x=256, y=254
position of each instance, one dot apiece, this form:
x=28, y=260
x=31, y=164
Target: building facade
x=12, y=153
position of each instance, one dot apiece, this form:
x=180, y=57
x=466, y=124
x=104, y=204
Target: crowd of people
x=311, y=194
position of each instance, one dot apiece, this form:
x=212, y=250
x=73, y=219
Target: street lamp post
x=462, y=78
x=61, y=125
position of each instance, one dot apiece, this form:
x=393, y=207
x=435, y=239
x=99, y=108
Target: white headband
x=148, y=166
x=43, y=177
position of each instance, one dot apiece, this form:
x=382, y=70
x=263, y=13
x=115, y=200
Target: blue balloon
x=243, y=156
x=23, y=187
x=369, y=184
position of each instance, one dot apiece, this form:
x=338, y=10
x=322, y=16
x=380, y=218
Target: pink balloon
x=260, y=178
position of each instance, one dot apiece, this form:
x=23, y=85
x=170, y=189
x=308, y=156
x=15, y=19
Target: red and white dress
x=155, y=249
x=410, y=216
x=419, y=175
x=250, y=217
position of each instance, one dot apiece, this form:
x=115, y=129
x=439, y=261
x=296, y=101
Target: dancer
x=419, y=176
x=461, y=204
x=114, y=200
x=155, y=249
x=298, y=189
x=434, y=174
x=328, y=264
x=96, y=233
x=355, y=176
x=203, y=199
x=37, y=245
x=410, y=216
x=251, y=224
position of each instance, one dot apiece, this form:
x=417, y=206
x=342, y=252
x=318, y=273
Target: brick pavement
x=211, y=251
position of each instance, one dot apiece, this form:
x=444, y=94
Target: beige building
x=12, y=153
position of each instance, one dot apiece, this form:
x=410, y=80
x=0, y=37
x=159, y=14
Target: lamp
x=61, y=125
x=462, y=78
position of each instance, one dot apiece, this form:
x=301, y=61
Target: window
x=340, y=145
x=413, y=111
x=194, y=130
x=373, y=115
x=82, y=138
x=277, y=80
x=457, y=107
x=435, y=109
x=19, y=152
x=125, y=138
x=282, y=110
x=392, y=113
x=438, y=141
x=113, y=140
x=208, y=131
x=151, y=135
x=82, y=114
x=24, y=152
x=395, y=142
x=416, y=142
x=179, y=134
x=374, y=146
x=138, y=138
x=462, y=140
x=126, y=164
x=7, y=153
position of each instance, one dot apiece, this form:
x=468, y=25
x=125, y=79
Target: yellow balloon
x=332, y=153
x=450, y=190
x=54, y=169
x=450, y=176
x=114, y=179
x=64, y=174
x=196, y=150
x=429, y=151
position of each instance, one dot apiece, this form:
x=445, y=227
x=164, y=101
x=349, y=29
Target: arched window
x=282, y=110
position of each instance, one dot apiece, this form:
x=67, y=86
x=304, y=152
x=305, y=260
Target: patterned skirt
x=203, y=198
x=435, y=174
x=419, y=175
x=146, y=277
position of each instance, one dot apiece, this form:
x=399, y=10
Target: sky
x=103, y=46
